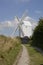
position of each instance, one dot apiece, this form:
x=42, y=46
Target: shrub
x=38, y=35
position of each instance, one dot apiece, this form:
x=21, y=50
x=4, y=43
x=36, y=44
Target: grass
x=36, y=58
x=9, y=49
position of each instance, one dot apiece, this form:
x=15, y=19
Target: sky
x=11, y=8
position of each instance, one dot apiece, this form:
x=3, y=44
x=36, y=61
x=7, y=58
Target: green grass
x=36, y=58
x=9, y=51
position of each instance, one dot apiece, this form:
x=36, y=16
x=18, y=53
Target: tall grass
x=9, y=49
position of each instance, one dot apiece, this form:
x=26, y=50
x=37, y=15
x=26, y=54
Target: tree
x=37, y=36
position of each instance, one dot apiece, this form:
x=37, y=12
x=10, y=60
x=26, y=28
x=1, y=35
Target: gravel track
x=24, y=59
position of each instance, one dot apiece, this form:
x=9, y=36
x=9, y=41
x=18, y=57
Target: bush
x=38, y=35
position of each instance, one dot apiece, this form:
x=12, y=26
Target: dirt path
x=24, y=59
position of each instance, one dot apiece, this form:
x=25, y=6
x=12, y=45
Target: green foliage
x=36, y=58
x=38, y=35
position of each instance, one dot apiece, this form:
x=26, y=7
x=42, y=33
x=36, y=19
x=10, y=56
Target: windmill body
x=26, y=28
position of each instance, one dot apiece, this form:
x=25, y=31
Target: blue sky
x=11, y=8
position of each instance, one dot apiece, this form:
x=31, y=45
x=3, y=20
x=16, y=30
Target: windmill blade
x=20, y=22
x=21, y=30
x=14, y=31
x=22, y=33
x=24, y=15
x=17, y=19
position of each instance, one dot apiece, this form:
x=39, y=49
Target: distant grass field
x=9, y=49
x=36, y=58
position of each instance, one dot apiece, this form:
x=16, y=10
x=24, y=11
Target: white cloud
x=5, y=24
x=27, y=18
x=32, y=21
x=8, y=27
x=8, y=23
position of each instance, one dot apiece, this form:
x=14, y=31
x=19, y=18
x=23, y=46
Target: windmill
x=20, y=22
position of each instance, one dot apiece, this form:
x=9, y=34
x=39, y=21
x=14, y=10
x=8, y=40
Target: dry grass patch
x=9, y=50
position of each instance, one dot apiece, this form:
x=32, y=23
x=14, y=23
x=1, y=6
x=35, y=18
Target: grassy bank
x=36, y=58
x=9, y=49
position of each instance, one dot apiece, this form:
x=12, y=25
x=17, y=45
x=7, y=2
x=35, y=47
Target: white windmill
x=19, y=26
x=25, y=27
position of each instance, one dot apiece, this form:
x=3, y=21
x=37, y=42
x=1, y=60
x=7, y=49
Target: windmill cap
x=27, y=23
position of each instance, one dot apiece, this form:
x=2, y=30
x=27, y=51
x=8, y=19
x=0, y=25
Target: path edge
x=19, y=55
